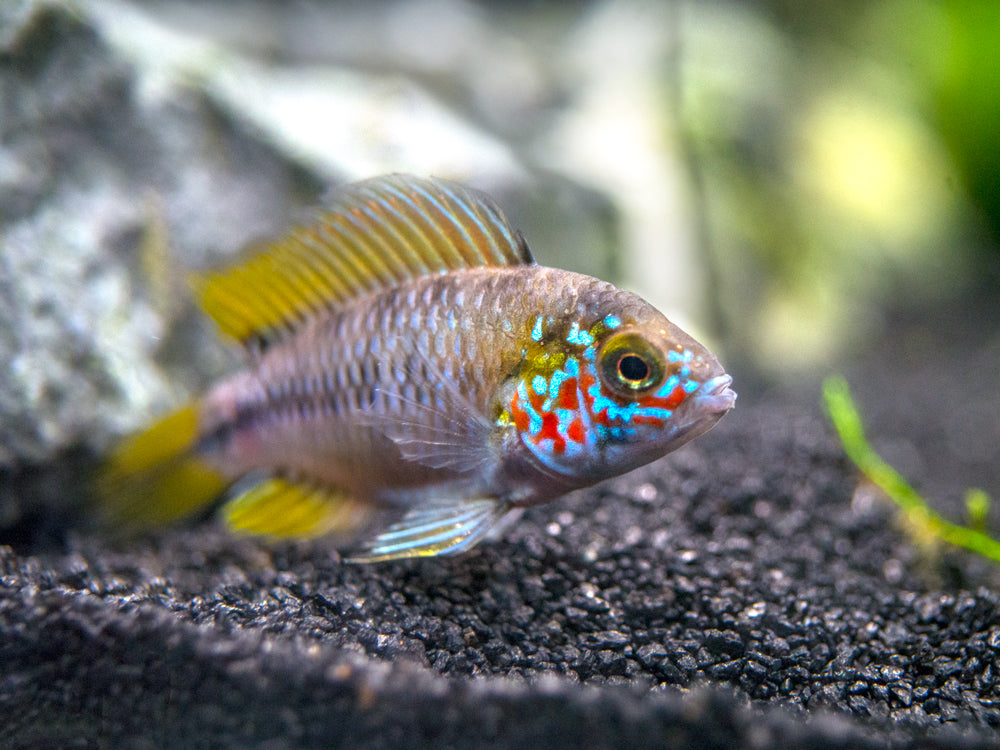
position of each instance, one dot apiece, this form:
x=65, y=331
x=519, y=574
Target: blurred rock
x=337, y=118
x=527, y=104
x=109, y=190
x=422, y=94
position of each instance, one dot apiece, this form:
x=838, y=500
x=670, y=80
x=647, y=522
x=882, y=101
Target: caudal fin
x=155, y=477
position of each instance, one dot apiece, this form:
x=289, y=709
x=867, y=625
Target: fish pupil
x=633, y=368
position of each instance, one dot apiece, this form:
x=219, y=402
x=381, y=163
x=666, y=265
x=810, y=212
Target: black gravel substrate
x=740, y=593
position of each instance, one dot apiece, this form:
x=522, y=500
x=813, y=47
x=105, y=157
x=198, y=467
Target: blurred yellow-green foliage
x=848, y=156
x=965, y=85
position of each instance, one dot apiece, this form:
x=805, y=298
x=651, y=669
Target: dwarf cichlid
x=412, y=377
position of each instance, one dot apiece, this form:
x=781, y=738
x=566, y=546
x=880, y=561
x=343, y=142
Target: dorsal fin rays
x=495, y=237
x=346, y=263
x=435, y=230
x=377, y=233
x=383, y=266
x=404, y=232
x=476, y=222
x=389, y=237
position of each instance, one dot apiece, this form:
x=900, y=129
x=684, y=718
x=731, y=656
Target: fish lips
x=715, y=395
x=704, y=409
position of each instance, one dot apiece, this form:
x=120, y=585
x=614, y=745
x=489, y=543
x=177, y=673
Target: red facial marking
x=587, y=380
x=567, y=395
x=648, y=420
x=550, y=429
x=677, y=395
x=521, y=420
x=537, y=400
x=550, y=422
x=575, y=431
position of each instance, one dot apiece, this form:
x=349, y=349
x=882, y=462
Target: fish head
x=615, y=391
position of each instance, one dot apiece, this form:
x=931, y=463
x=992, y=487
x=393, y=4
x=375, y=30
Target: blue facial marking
x=534, y=418
x=536, y=330
x=565, y=417
x=558, y=378
x=657, y=413
x=615, y=412
x=611, y=321
x=691, y=386
x=617, y=434
x=668, y=386
x=539, y=384
x=578, y=337
x=522, y=392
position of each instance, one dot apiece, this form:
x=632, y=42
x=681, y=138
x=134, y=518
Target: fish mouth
x=710, y=403
x=715, y=395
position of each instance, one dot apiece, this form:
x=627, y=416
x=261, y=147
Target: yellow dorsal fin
x=377, y=233
x=284, y=509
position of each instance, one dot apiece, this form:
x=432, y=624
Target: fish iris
x=630, y=364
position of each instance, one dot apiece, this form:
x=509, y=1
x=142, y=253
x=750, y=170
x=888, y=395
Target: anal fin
x=284, y=509
x=434, y=530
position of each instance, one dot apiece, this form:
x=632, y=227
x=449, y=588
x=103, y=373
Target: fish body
x=409, y=362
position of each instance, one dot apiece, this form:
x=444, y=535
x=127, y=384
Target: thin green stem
x=844, y=414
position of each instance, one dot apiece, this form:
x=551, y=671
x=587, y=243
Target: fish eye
x=631, y=364
x=633, y=368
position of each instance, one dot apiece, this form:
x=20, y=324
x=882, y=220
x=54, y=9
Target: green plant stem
x=846, y=420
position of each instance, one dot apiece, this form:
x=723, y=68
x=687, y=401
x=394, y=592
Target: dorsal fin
x=377, y=233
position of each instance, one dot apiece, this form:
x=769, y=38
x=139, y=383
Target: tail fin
x=155, y=477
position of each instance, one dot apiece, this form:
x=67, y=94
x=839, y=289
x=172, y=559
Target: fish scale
x=413, y=376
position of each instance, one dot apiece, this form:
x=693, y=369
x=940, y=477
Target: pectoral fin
x=436, y=530
x=436, y=435
x=445, y=430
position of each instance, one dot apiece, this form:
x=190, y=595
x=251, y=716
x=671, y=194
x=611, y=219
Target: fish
x=412, y=378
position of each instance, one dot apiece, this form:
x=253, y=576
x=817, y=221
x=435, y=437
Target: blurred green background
x=848, y=158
